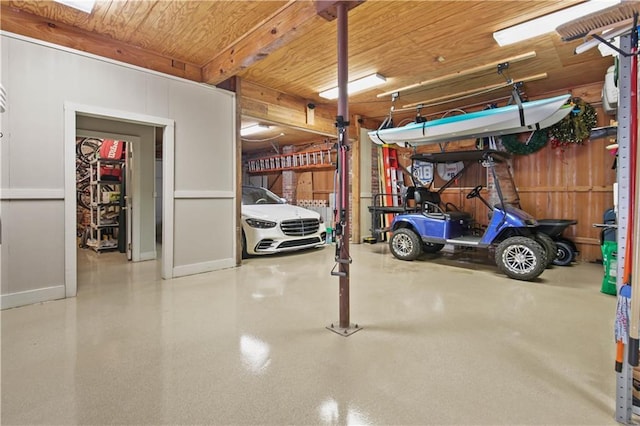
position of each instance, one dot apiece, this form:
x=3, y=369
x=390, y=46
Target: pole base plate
x=345, y=332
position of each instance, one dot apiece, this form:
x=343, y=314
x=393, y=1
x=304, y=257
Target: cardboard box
x=110, y=197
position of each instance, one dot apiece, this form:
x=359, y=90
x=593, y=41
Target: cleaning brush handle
x=619, y=355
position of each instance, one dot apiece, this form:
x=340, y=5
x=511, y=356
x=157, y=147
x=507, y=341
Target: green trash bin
x=610, y=262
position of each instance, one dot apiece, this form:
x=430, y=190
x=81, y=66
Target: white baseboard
x=198, y=268
x=13, y=300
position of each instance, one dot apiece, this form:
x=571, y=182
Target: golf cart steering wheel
x=475, y=192
x=261, y=201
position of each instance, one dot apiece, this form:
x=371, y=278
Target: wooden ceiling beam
x=280, y=108
x=23, y=23
x=328, y=8
x=285, y=25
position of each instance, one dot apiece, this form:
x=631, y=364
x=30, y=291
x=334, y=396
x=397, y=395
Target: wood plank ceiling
x=285, y=47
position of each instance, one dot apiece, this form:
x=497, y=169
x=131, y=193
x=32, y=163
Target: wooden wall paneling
x=323, y=184
x=275, y=183
x=304, y=186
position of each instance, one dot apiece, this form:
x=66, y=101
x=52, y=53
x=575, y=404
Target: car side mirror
x=284, y=200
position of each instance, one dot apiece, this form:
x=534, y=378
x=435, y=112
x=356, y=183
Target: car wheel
x=521, y=258
x=550, y=249
x=432, y=247
x=405, y=244
x=245, y=254
x=565, y=254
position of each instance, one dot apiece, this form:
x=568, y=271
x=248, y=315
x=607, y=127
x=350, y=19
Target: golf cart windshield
x=505, y=185
x=495, y=162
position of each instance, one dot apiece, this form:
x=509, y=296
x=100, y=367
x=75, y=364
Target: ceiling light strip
x=473, y=92
x=485, y=67
x=253, y=129
x=85, y=6
x=356, y=86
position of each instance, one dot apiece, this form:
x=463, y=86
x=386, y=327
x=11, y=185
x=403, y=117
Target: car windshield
x=257, y=195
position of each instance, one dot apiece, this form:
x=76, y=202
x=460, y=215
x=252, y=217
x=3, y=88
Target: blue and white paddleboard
x=506, y=120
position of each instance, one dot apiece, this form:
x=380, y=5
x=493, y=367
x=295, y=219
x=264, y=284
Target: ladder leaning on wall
x=319, y=159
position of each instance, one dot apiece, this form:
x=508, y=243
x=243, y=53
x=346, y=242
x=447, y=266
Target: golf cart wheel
x=521, y=258
x=564, y=255
x=405, y=244
x=431, y=247
x=550, y=248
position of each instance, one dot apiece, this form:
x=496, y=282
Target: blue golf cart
x=425, y=225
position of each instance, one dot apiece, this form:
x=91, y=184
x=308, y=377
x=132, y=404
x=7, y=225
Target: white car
x=270, y=225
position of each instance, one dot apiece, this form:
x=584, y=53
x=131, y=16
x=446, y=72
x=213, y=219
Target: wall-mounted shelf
x=308, y=160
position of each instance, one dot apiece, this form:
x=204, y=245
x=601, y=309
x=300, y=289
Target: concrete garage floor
x=444, y=342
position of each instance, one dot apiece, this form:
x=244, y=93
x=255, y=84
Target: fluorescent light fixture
x=253, y=129
x=85, y=6
x=548, y=23
x=356, y=86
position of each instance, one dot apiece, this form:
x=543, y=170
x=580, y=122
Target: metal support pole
x=343, y=111
x=624, y=379
x=342, y=226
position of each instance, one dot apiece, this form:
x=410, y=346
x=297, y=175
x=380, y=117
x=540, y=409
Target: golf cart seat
x=410, y=195
x=431, y=204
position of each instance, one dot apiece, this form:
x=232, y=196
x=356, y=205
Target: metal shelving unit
x=105, y=206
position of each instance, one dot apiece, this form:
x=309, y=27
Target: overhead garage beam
x=285, y=25
x=23, y=23
x=278, y=107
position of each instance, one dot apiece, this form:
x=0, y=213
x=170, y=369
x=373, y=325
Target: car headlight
x=257, y=223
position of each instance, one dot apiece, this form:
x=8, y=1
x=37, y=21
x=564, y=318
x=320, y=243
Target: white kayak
x=532, y=115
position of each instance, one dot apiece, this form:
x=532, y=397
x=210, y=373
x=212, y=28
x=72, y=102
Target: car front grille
x=300, y=227
x=299, y=243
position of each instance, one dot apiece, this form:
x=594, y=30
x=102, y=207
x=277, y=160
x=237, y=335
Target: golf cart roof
x=455, y=156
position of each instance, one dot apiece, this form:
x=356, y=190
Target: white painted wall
x=41, y=79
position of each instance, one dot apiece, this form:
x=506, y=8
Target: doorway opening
x=158, y=190
x=103, y=194
x=139, y=131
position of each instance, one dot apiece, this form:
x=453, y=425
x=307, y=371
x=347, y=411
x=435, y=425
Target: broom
x=606, y=18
